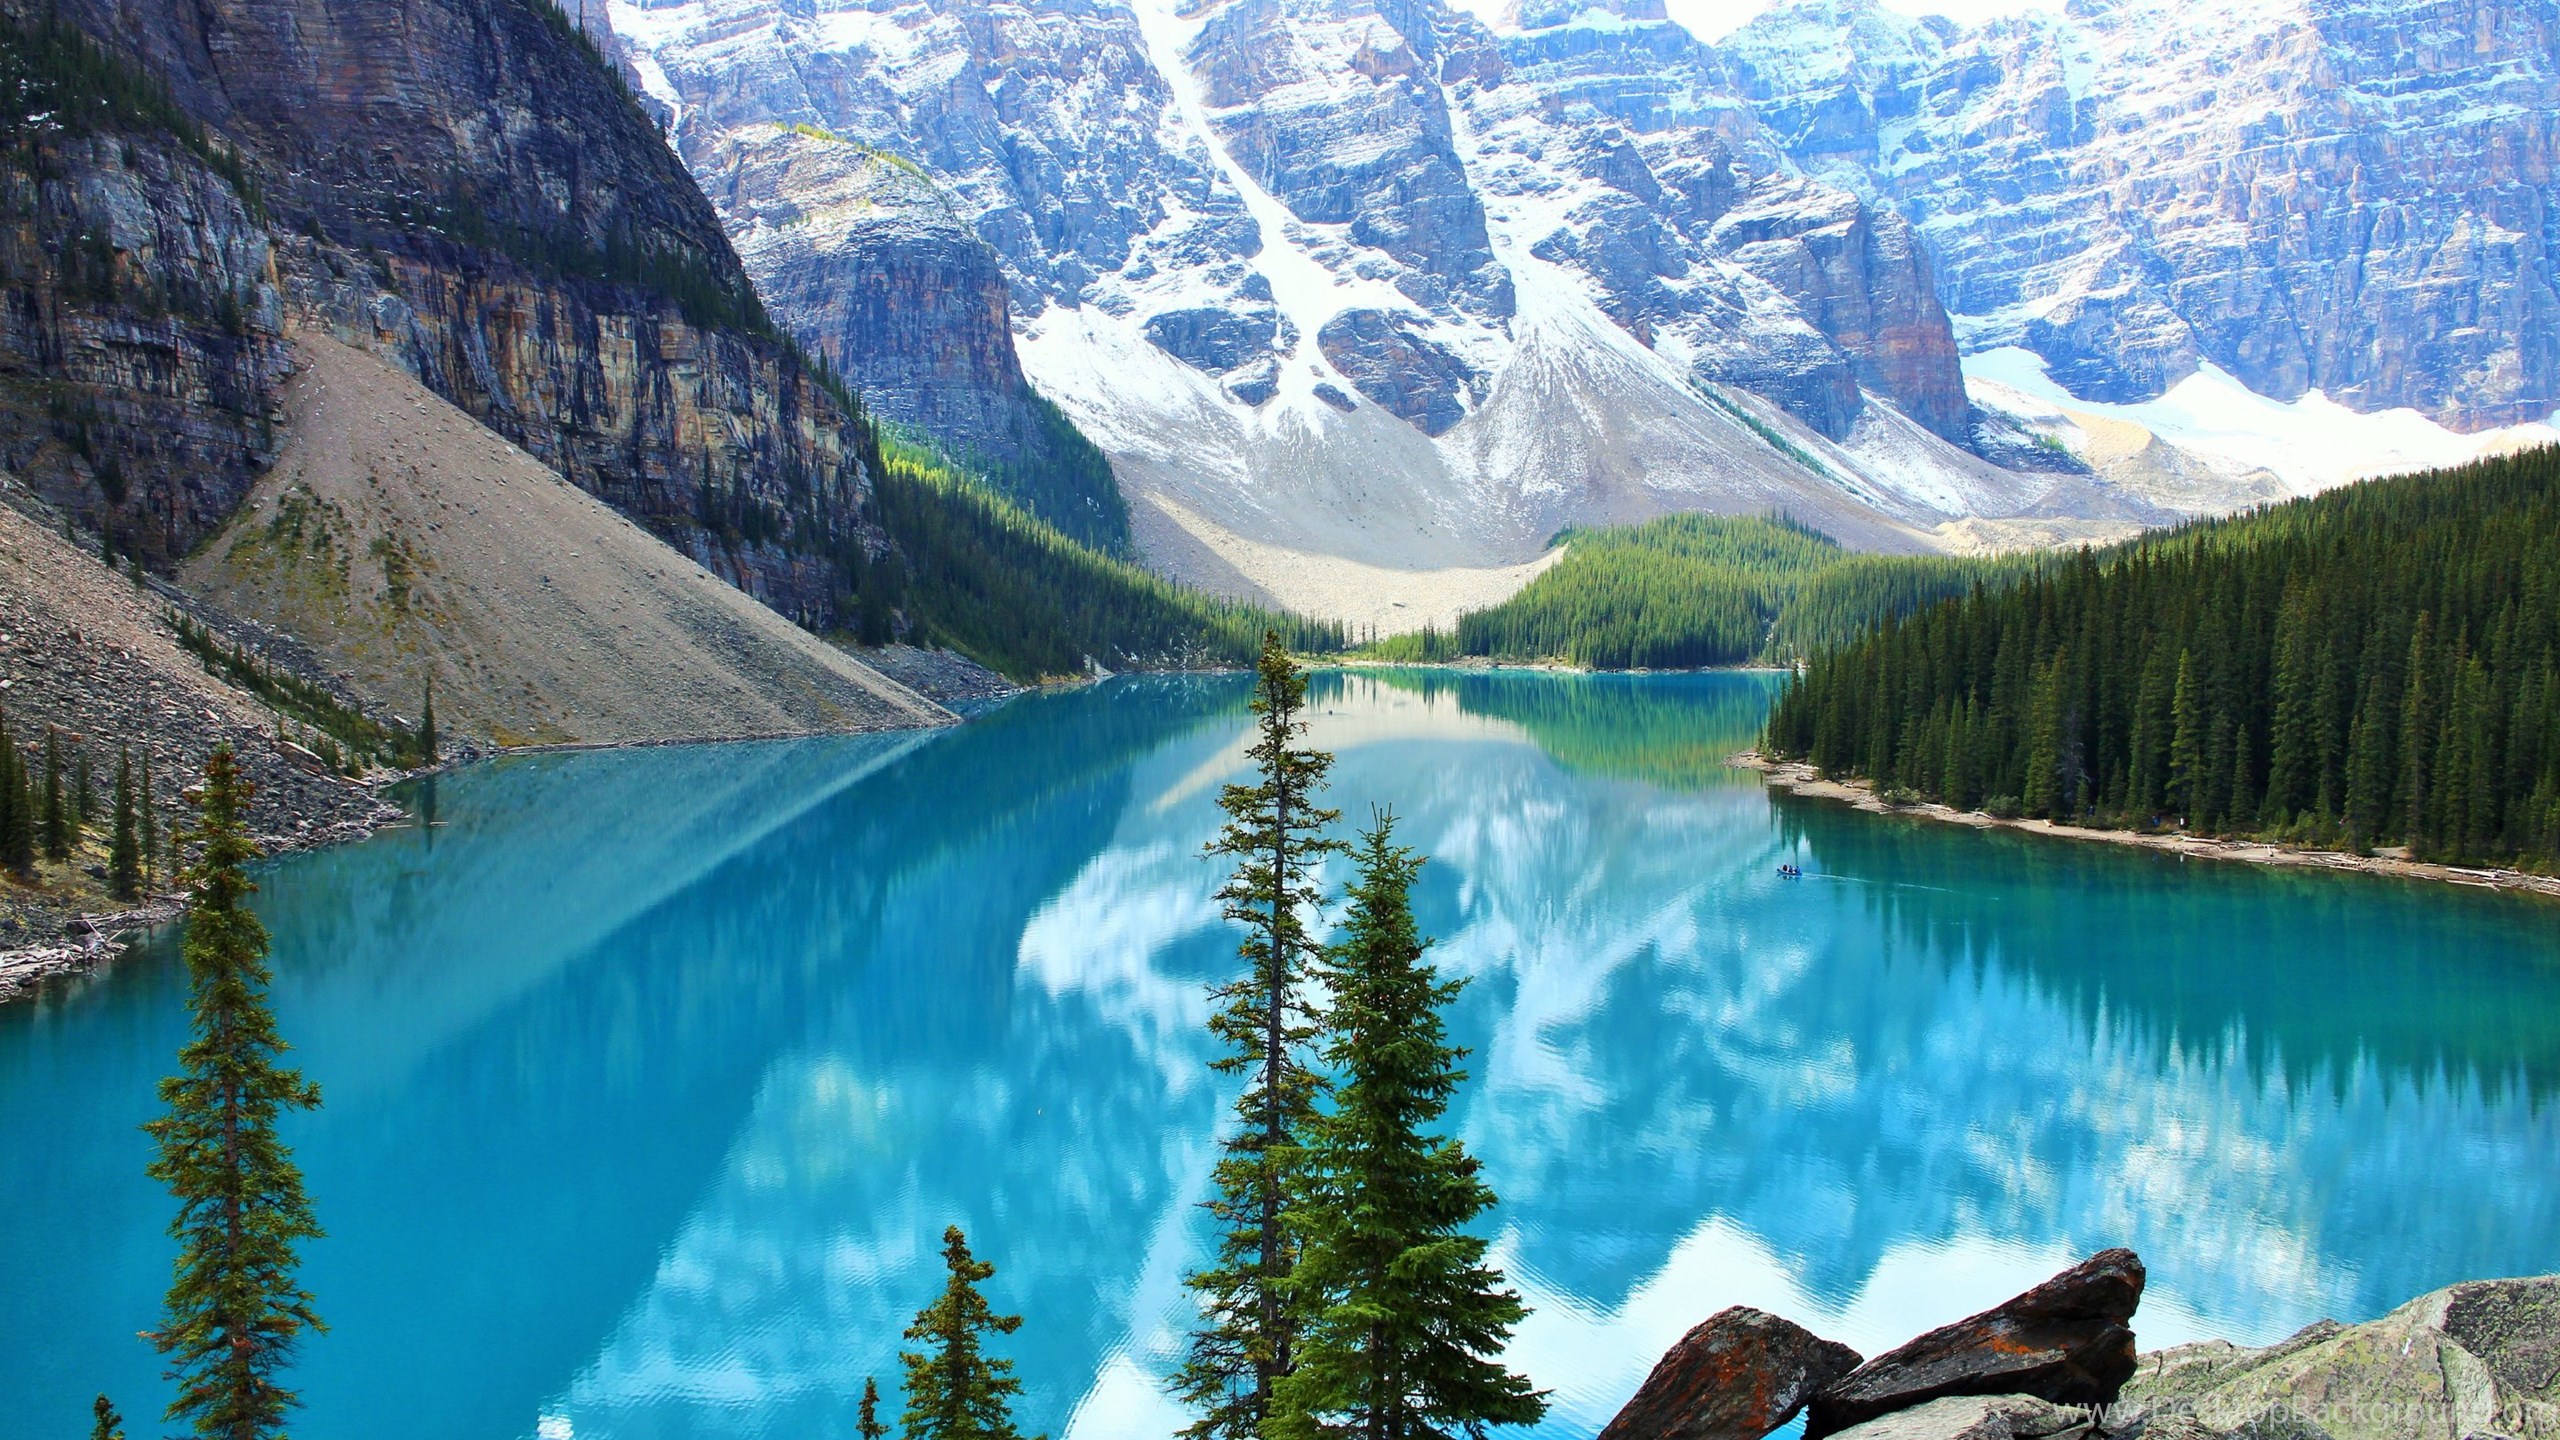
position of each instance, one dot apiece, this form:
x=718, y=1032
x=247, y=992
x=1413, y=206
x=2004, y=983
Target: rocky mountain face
x=140, y=347
x=862, y=258
x=1362, y=277
x=1383, y=279
x=2353, y=198
x=462, y=184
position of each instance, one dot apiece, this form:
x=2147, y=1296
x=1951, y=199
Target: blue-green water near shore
x=653, y=1076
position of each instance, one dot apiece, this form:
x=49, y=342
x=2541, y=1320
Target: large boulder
x=2068, y=1340
x=1739, y=1375
x=2477, y=1359
x=1979, y=1417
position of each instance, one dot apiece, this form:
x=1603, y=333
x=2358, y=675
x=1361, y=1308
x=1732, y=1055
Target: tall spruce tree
x=955, y=1389
x=18, y=824
x=2044, y=792
x=149, y=816
x=124, y=840
x=60, y=828
x=1275, y=833
x=1405, y=1322
x=427, y=725
x=104, y=1422
x=84, y=789
x=234, y=1313
x=867, y=1422
x=2186, y=740
x=2420, y=729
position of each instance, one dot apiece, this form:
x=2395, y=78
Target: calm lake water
x=653, y=1076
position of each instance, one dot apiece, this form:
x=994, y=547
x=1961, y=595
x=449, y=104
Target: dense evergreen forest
x=2372, y=667
x=1070, y=487
x=975, y=572
x=1693, y=590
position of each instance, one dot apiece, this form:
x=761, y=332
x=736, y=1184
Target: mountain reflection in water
x=653, y=1075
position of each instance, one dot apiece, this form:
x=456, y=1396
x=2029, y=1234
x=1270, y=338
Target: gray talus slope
x=402, y=539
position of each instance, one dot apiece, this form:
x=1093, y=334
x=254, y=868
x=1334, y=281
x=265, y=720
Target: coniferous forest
x=1687, y=591
x=977, y=573
x=2378, y=666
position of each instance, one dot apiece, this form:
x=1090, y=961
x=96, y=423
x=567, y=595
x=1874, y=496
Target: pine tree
x=85, y=790
x=61, y=831
x=1404, y=1319
x=2368, y=771
x=2293, y=777
x=2419, y=732
x=18, y=823
x=427, y=725
x=868, y=1425
x=149, y=817
x=2240, y=803
x=2044, y=793
x=124, y=845
x=2186, y=739
x=2147, y=783
x=233, y=1314
x=955, y=1390
x=105, y=1423
x=1275, y=833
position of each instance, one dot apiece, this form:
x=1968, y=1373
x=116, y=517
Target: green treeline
x=2376, y=666
x=1693, y=590
x=974, y=572
x=347, y=739
x=1062, y=479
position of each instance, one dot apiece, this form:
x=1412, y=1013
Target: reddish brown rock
x=1738, y=1376
x=2068, y=1340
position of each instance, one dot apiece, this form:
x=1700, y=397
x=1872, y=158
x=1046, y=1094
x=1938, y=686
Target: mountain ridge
x=1372, y=280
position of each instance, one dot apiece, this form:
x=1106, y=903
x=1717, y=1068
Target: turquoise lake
x=653, y=1076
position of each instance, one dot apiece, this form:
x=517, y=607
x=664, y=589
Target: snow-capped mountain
x=1377, y=281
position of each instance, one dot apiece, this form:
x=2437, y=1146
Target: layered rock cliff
x=866, y=262
x=465, y=185
x=2348, y=198
x=1387, y=280
x=140, y=338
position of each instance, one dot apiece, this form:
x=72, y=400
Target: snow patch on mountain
x=2313, y=443
x=1307, y=291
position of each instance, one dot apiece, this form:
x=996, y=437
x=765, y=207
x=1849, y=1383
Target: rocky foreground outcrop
x=2470, y=1362
x=2069, y=1341
x=1742, y=1372
x=2476, y=1361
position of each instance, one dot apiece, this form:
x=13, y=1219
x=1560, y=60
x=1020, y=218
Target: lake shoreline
x=1480, y=664
x=90, y=940
x=1804, y=780
x=86, y=940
